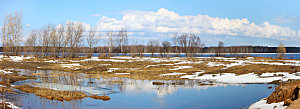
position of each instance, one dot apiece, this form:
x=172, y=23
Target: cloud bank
x=165, y=21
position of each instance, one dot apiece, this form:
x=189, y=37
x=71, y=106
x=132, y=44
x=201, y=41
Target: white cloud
x=27, y=25
x=168, y=21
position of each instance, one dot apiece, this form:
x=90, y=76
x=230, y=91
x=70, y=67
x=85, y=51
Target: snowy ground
x=179, y=63
x=182, y=63
x=262, y=104
x=232, y=78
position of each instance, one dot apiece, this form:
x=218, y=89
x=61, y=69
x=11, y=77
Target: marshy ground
x=64, y=82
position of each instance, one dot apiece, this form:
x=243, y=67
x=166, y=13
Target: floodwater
x=267, y=55
x=137, y=94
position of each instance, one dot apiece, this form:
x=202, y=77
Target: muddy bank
x=58, y=95
x=287, y=92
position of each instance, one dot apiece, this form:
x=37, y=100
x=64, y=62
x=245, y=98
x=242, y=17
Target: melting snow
x=70, y=65
x=245, y=78
x=5, y=72
x=174, y=73
x=11, y=105
x=262, y=104
x=181, y=67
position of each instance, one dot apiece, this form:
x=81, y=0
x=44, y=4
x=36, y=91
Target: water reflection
x=128, y=93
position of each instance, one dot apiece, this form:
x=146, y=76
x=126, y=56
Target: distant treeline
x=171, y=49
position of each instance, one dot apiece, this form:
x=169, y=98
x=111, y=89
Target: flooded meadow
x=142, y=82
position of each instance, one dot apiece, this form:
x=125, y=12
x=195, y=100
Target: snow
x=262, y=104
x=5, y=72
x=11, y=105
x=19, y=58
x=174, y=73
x=212, y=64
x=232, y=78
x=70, y=65
x=151, y=66
x=184, y=62
x=249, y=58
x=51, y=61
x=192, y=76
x=158, y=65
x=181, y=67
x=112, y=69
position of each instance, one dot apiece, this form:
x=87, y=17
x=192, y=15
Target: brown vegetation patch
x=287, y=92
x=57, y=95
x=22, y=65
x=4, y=106
x=104, y=97
x=51, y=94
x=8, y=79
x=258, y=69
x=116, y=81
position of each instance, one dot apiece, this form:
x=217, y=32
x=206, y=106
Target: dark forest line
x=171, y=49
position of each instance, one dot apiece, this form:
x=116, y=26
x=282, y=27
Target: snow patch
x=262, y=104
x=174, y=73
x=70, y=65
x=181, y=67
x=5, y=72
x=232, y=78
x=11, y=105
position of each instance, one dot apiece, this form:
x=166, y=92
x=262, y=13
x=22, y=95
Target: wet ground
x=136, y=94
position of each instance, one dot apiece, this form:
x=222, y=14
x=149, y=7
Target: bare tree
x=219, y=49
x=60, y=38
x=92, y=40
x=175, y=42
x=166, y=47
x=45, y=39
x=12, y=32
x=281, y=51
x=189, y=44
x=152, y=46
x=31, y=42
x=122, y=39
x=74, y=34
x=54, y=41
x=183, y=42
x=194, y=43
x=111, y=41
x=133, y=47
x=5, y=35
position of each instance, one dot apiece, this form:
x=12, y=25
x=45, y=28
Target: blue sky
x=279, y=15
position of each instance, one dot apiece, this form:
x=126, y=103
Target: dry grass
x=58, y=95
x=8, y=79
x=149, y=73
x=258, y=69
x=4, y=106
x=52, y=94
